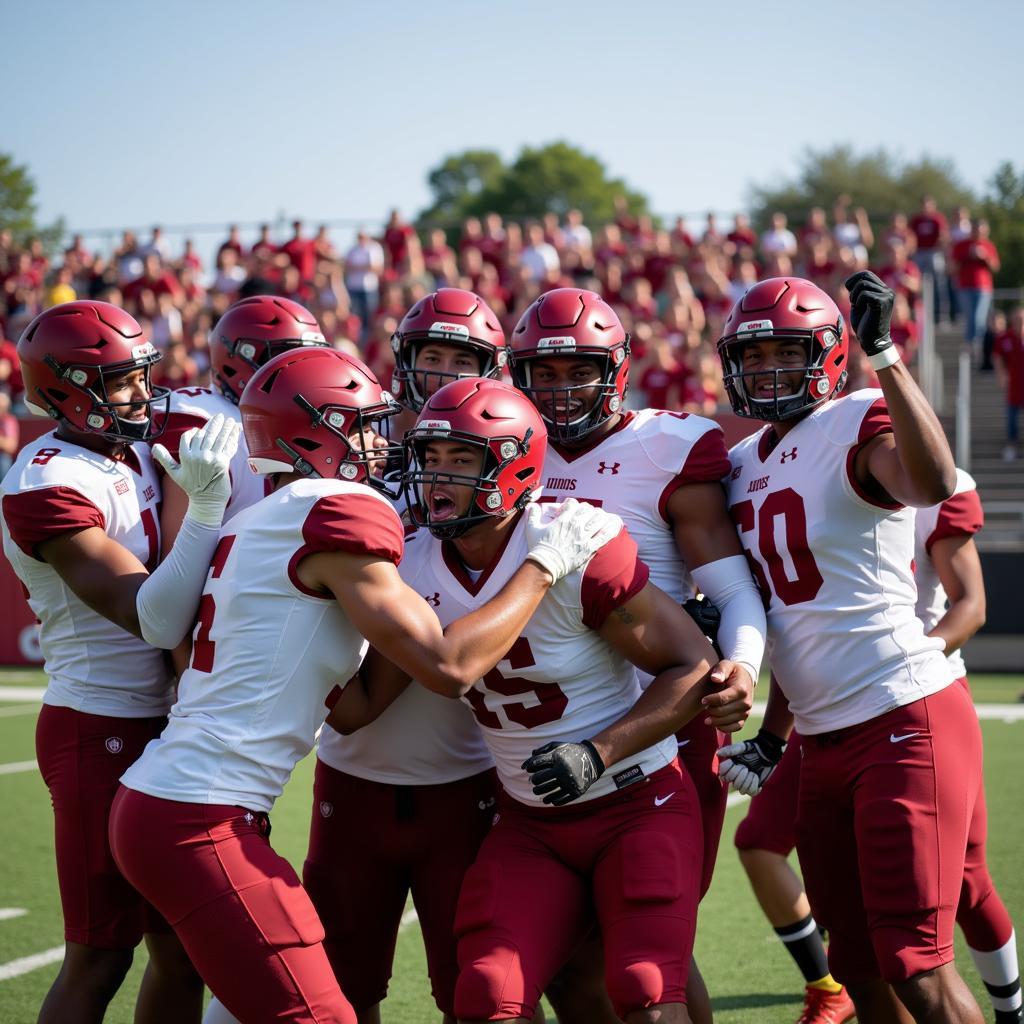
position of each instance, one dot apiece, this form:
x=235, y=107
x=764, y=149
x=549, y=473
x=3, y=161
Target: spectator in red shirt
x=932, y=235
x=154, y=279
x=301, y=253
x=898, y=230
x=10, y=433
x=398, y=238
x=664, y=378
x=264, y=246
x=323, y=247
x=742, y=237
x=903, y=330
x=439, y=259
x=233, y=242
x=10, y=369
x=901, y=274
x=1009, y=353
x=975, y=260
x=190, y=259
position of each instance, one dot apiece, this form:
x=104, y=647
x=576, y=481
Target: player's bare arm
x=113, y=582
x=394, y=618
x=706, y=538
x=657, y=636
x=913, y=465
x=368, y=694
x=653, y=632
x=959, y=569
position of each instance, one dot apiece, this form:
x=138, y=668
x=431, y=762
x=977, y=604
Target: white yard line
x=408, y=918
x=13, y=767
x=25, y=964
x=21, y=693
x=735, y=798
x=986, y=712
x=18, y=710
x=8, y=913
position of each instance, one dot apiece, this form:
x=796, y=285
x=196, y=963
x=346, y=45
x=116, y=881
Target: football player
x=422, y=814
x=660, y=471
x=565, y=721
x=947, y=570
x=823, y=497
x=951, y=604
x=297, y=582
x=250, y=332
x=82, y=532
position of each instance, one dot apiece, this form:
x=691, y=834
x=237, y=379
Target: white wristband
x=887, y=357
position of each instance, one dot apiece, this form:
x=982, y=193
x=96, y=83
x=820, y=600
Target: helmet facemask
x=413, y=386
x=103, y=417
x=555, y=404
x=486, y=501
x=821, y=347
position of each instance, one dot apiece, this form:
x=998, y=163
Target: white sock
x=999, y=971
x=216, y=1014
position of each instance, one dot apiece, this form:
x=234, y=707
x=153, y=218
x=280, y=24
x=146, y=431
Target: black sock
x=804, y=945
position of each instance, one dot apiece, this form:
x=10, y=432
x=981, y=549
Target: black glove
x=870, y=311
x=748, y=765
x=707, y=616
x=562, y=772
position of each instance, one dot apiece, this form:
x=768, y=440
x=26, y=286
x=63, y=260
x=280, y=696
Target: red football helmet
x=300, y=408
x=67, y=355
x=572, y=322
x=253, y=331
x=451, y=316
x=785, y=309
x=489, y=415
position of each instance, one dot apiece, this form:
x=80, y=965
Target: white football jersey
x=959, y=515
x=633, y=471
x=844, y=640
x=193, y=407
x=438, y=739
x=267, y=652
x=560, y=681
x=55, y=487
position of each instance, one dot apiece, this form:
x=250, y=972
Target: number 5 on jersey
x=203, y=648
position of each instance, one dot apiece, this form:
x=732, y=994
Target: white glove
x=202, y=471
x=747, y=766
x=570, y=540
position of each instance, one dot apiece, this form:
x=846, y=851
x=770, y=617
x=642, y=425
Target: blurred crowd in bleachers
x=672, y=285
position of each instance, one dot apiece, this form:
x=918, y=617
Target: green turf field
x=749, y=974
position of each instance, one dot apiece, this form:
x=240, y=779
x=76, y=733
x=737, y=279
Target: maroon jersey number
x=203, y=648
x=553, y=701
x=788, y=506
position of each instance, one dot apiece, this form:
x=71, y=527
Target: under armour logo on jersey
x=603, y=467
x=736, y=472
x=114, y=744
x=434, y=600
x=326, y=808
x=788, y=455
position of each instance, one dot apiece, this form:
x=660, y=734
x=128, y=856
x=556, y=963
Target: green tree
x=17, y=189
x=458, y=181
x=553, y=178
x=1003, y=206
x=878, y=181
x=18, y=208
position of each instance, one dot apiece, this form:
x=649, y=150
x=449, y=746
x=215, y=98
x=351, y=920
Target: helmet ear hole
x=305, y=444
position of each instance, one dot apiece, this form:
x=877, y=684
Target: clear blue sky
x=137, y=113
